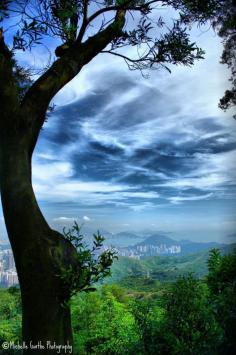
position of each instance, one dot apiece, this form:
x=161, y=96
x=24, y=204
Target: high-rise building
x=8, y=278
x=8, y=259
x=12, y=278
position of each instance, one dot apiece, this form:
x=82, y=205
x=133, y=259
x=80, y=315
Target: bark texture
x=39, y=252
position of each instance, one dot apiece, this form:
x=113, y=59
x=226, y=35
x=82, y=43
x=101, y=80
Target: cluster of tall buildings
x=8, y=274
x=159, y=249
x=139, y=251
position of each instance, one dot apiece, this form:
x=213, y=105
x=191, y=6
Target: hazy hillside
x=163, y=268
x=157, y=239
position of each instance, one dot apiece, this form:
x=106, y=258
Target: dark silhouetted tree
x=225, y=24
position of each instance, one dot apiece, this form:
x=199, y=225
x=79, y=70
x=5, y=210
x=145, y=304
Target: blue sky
x=121, y=152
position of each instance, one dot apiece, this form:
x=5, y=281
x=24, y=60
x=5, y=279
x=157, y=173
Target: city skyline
x=8, y=274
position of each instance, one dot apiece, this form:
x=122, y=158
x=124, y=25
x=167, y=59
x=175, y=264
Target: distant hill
x=123, y=239
x=188, y=246
x=158, y=239
x=160, y=244
x=130, y=235
x=162, y=268
x=157, y=243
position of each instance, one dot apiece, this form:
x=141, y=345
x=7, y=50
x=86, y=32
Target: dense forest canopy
x=185, y=316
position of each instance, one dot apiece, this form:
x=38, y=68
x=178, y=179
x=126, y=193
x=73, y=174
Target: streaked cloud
x=123, y=151
x=64, y=219
x=180, y=199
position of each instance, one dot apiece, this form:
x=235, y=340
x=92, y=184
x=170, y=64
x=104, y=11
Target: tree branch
x=85, y=21
x=126, y=58
x=8, y=89
x=38, y=97
x=125, y=6
x=142, y=63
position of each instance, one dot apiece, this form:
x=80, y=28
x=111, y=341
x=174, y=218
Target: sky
x=122, y=152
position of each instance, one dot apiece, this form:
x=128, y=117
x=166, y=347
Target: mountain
x=129, y=272
x=88, y=232
x=147, y=243
x=123, y=239
x=187, y=246
x=130, y=235
x=160, y=244
x=192, y=247
x=126, y=270
x=158, y=239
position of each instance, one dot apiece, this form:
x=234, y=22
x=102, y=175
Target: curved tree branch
x=9, y=100
x=85, y=21
x=64, y=69
x=132, y=60
x=126, y=5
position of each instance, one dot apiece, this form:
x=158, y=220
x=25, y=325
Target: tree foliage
x=90, y=265
x=104, y=324
x=136, y=23
x=190, y=316
x=221, y=280
x=10, y=316
x=225, y=24
x=71, y=23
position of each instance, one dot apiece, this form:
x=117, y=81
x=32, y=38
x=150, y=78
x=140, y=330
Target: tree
x=221, y=280
x=146, y=317
x=10, y=318
x=189, y=325
x=225, y=24
x=41, y=253
x=103, y=325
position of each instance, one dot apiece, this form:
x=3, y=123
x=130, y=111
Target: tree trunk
x=39, y=253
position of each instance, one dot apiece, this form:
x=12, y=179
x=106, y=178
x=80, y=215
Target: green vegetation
x=188, y=316
x=10, y=316
x=90, y=266
x=162, y=268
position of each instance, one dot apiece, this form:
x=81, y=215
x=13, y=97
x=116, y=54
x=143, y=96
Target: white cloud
x=50, y=172
x=64, y=219
x=180, y=199
x=91, y=193
x=86, y=218
x=47, y=156
x=210, y=181
x=143, y=195
x=79, y=87
x=142, y=206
